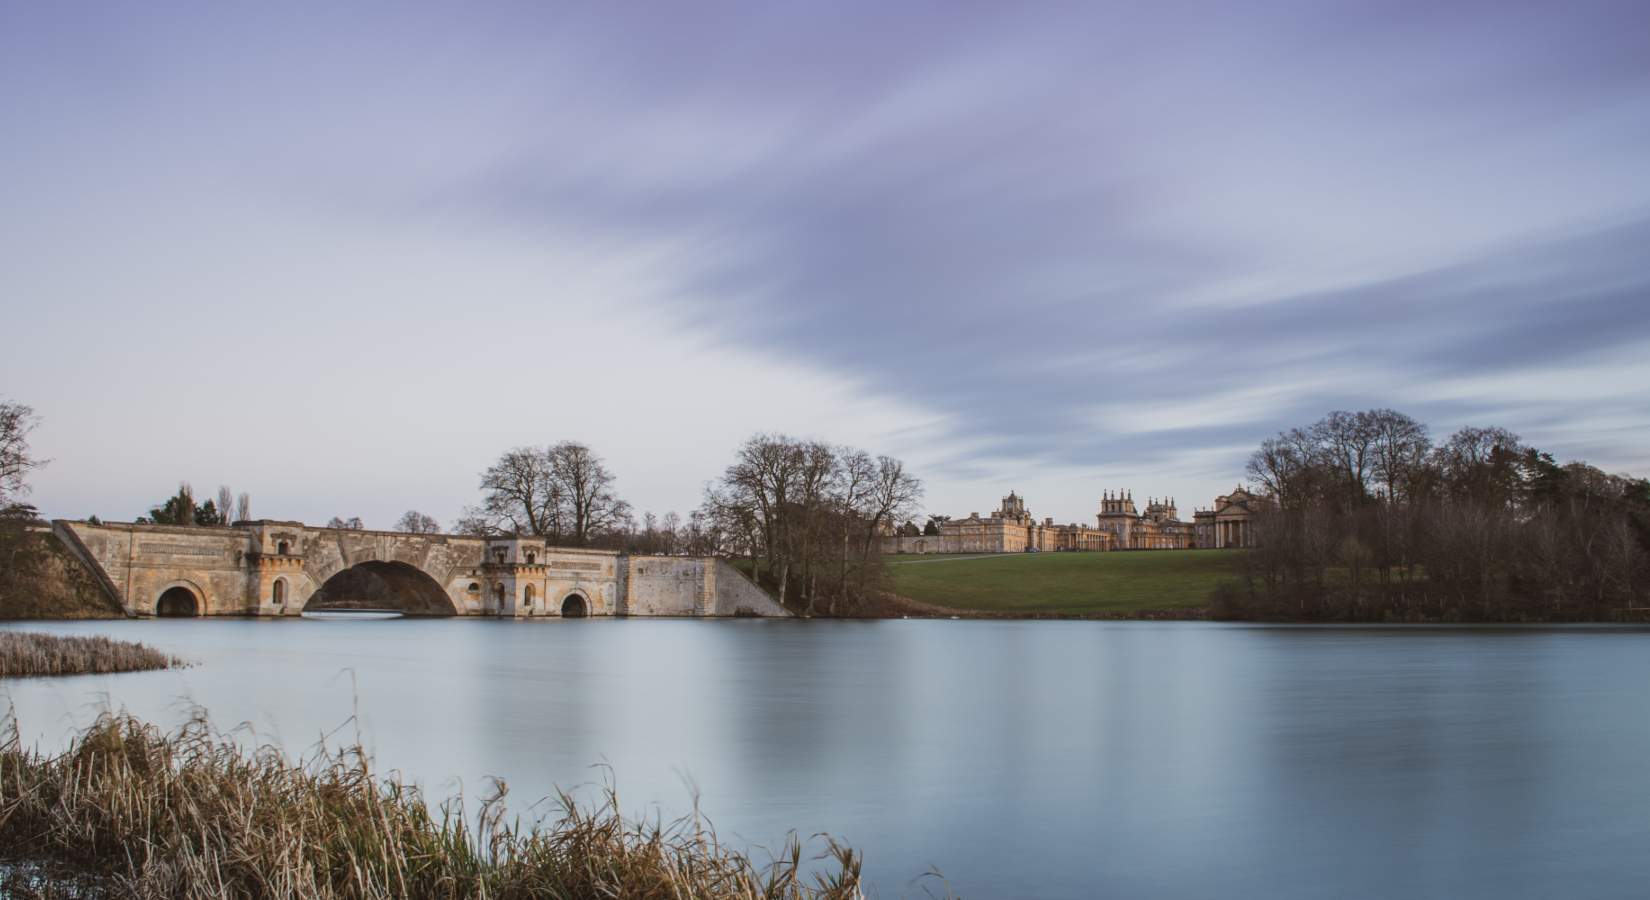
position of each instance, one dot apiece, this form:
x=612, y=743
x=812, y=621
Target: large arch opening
x=379, y=585
x=573, y=607
x=178, y=603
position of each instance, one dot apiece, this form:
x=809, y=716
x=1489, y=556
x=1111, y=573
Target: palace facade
x=1158, y=528
x=1230, y=522
x=1119, y=526
x=1011, y=529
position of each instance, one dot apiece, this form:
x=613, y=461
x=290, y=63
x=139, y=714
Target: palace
x=1231, y=522
x=1011, y=529
x=1158, y=528
x=1119, y=526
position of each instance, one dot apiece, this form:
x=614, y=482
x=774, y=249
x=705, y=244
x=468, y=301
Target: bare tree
x=894, y=496
x=475, y=523
x=585, y=486
x=226, y=504
x=856, y=480
x=521, y=495
x=669, y=528
x=16, y=461
x=415, y=522
x=353, y=523
x=243, y=507
x=1401, y=448
x=807, y=514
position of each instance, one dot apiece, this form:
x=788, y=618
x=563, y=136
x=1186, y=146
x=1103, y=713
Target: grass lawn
x=1069, y=583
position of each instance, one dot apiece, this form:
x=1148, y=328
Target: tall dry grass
x=129, y=811
x=27, y=653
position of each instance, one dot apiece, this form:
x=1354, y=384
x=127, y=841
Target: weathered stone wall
x=269, y=568
x=737, y=595
x=144, y=561
x=670, y=586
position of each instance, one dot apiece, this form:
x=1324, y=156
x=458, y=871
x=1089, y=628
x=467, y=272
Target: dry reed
x=129, y=811
x=27, y=653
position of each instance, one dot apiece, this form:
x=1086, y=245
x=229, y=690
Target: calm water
x=1023, y=759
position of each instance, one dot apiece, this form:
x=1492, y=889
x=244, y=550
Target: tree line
x=808, y=516
x=1373, y=520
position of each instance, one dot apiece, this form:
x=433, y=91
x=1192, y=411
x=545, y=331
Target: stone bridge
x=269, y=568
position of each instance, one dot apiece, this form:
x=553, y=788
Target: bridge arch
x=575, y=605
x=180, y=600
x=383, y=584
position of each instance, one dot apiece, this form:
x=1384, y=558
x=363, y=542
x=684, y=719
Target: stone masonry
x=272, y=568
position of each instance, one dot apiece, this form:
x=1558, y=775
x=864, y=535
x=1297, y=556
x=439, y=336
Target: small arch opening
x=283, y=548
x=177, y=603
x=532, y=557
x=279, y=595
x=529, y=597
x=474, y=588
x=498, y=596
x=573, y=607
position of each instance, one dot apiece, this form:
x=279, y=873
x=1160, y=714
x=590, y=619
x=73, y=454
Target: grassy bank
x=1102, y=584
x=25, y=654
x=129, y=811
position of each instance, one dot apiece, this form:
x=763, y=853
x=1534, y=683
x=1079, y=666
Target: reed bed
x=130, y=811
x=28, y=653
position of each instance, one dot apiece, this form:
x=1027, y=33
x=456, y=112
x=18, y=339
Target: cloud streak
x=1107, y=238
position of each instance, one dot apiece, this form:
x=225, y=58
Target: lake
x=1021, y=759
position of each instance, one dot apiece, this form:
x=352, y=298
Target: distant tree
x=243, y=507
x=932, y=529
x=351, y=524
x=520, y=494
x=474, y=523
x=894, y=494
x=226, y=504
x=16, y=461
x=563, y=492
x=669, y=527
x=179, y=509
x=810, y=517
x=649, y=538
x=207, y=514
x=415, y=522
x=585, y=486
x=910, y=529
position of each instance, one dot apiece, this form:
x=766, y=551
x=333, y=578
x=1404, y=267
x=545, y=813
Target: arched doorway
x=573, y=607
x=528, y=596
x=278, y=595
x=178, y=603
x=379, y=585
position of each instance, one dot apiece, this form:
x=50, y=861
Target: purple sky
x=341, y=257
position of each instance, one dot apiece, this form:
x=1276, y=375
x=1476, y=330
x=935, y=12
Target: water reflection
x=1049, y=759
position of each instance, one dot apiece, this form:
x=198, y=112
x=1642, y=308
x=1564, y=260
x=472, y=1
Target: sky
x=342, y=255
